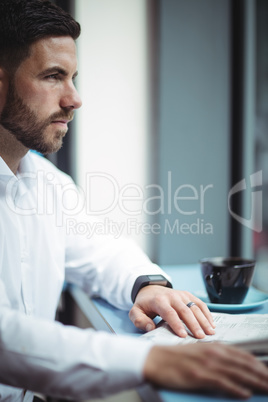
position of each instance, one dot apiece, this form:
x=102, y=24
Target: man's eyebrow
x=58, y=70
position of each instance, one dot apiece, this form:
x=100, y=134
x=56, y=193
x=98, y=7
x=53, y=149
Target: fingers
x=197, y=318
x=170, y=315
x=235, y=372
x=141, y=320
x=171, y=305
x=191, y=320
x=204, y=308
x=204, y=366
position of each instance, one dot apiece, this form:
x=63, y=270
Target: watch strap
x=146, y=280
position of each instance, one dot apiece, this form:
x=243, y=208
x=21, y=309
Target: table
x=105, y=317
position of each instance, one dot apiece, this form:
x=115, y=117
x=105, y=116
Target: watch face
x=156, y=278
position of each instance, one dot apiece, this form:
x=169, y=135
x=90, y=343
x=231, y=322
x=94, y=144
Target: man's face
x=41, y=98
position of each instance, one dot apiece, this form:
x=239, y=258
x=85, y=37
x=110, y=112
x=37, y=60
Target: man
x=37, y=100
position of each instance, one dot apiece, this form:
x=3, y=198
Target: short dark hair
x=22, y=22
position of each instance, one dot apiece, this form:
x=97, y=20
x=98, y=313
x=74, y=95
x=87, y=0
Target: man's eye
x=52, y=77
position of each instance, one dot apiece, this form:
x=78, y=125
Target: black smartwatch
x=146, y=280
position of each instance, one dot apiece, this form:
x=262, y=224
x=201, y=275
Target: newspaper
x=249, y=331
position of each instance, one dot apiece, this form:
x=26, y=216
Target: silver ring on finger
x=190, y=304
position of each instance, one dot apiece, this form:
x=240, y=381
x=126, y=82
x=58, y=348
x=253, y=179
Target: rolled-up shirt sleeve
x=113, y=268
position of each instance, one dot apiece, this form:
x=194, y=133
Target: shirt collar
x=4, y=169
x=24, y=166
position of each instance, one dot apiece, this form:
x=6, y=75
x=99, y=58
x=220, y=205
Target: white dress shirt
x=37, y=253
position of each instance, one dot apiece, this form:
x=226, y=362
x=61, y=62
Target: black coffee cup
x=227, y=280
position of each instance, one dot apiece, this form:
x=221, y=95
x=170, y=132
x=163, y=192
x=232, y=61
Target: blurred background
x=171, y=143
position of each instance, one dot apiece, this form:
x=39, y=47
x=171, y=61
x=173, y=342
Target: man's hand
x=171, y=305
x=206, y=366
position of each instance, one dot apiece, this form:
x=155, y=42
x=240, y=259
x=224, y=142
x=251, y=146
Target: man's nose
x=71, y=99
